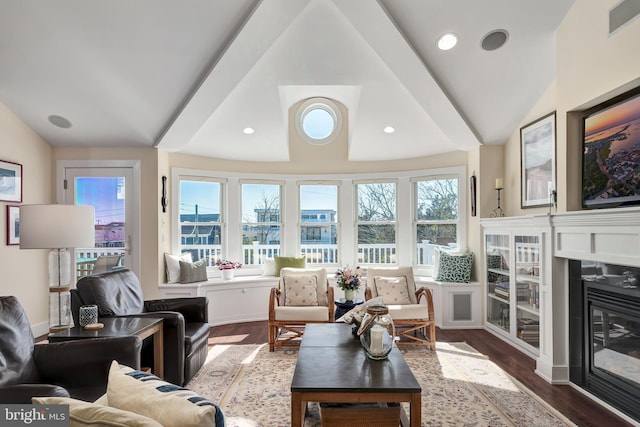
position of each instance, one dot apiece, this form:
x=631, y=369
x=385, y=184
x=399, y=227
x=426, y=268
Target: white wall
x=24, y=272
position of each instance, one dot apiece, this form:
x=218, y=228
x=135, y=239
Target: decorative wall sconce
x=163, y=198
x=498, y=212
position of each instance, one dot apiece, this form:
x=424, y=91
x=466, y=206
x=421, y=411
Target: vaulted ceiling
x=189, y=76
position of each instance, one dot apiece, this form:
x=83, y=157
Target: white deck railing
x=317, y=254
x=254, y=254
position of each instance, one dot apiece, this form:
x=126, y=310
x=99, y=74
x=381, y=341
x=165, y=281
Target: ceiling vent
x=494, y=40
x=622, y=14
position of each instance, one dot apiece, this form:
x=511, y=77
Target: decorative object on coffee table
x=377, y=332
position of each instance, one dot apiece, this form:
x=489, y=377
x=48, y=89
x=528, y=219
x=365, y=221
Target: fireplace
x=604, y=332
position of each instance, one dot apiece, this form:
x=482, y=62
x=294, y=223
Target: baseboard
x=40, y=329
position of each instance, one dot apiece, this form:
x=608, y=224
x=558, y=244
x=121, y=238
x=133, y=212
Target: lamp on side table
x=58, y=227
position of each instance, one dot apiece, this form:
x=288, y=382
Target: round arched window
x=318, y=121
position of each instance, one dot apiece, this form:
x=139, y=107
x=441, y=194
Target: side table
x=122, y=326
x=343, y=306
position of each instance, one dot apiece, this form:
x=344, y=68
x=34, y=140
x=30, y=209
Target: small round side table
x=343, y=306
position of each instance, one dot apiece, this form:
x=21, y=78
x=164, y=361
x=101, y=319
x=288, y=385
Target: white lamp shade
x=57, y=226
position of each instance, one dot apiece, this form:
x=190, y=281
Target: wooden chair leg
x=272, y=337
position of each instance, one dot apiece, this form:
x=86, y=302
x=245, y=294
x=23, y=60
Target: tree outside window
x=376, y=223
x=436, y=216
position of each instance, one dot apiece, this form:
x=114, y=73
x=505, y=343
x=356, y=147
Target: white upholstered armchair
x=411, y=309
x=303, y=296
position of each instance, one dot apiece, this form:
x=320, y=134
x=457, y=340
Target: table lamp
x=58, y=227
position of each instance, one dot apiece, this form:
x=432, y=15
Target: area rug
x=460, y=387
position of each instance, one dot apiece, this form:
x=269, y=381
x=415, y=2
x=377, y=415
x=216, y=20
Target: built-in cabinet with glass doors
x=513, y=271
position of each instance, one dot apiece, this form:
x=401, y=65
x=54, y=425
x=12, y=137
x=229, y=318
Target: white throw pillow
x=172, y=265
x=89, y=414
x=269, y=267
x=167, y=403
x=393, y=290
x=300, y=290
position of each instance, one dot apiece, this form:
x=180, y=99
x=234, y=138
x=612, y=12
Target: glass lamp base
x=60, y=308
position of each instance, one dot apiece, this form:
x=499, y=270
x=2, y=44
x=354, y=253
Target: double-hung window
x=318, y=225
x=261, y=221
x=376, y=222
x=201, y=221
x=437, y=216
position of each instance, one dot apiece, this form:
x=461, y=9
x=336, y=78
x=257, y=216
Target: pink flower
x=227, y=265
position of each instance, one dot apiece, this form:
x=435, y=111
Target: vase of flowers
x=349, y=281
x=227, y=268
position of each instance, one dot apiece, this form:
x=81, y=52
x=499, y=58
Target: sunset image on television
x=611, y=158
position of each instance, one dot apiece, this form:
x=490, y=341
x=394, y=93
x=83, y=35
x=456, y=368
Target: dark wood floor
x=573, y=404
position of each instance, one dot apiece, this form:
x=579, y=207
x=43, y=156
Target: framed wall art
x=13, y=225
x=538, y=161
x=10, y=182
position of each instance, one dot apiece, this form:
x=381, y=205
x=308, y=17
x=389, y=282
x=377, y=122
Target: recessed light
x=389, y=129
x=447, y=41
x=59, y=121
x=248, y=131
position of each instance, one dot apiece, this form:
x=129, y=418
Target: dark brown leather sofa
x=78, y=369
x=186, y=328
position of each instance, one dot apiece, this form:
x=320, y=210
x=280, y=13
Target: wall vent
x=623, y=13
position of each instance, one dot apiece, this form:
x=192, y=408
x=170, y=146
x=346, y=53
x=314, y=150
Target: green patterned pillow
x=455, y=268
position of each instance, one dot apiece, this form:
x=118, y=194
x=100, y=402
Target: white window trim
x=289, y=210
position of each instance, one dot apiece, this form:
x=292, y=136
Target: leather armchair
x=78, y=369
x=186, y=328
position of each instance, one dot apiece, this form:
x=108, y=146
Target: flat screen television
x=611, y=152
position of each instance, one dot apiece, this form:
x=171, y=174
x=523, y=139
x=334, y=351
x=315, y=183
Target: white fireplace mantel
x=607, y=235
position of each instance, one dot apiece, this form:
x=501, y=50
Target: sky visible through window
x=319, y=197
x=318, y=123
x=105, y=194
x=207, y=195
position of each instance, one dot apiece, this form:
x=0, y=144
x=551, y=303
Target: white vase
x=349, y=295
x=227, y=274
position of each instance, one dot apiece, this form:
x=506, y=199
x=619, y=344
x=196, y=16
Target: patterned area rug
x=460, y=387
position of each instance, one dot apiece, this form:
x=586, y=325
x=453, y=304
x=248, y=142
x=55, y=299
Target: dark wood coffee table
x=333, y=367
x=121, y=327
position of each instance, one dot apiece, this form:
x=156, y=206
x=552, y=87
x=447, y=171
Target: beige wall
x=164, y=218
x=24, y=272
x=591, y=67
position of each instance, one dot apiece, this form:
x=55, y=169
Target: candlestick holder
x=497, y=212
